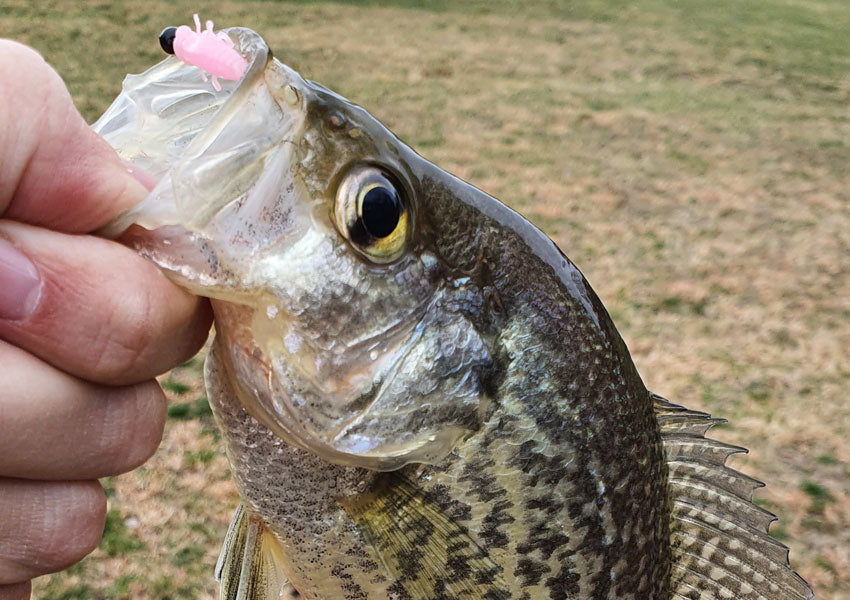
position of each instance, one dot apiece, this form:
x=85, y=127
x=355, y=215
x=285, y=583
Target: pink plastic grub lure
x=211, y=52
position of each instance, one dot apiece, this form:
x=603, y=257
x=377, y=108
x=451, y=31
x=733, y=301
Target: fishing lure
x=212, y=52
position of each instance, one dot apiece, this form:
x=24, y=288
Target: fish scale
x=420, y=396
x=574, y=399
x=299, y=512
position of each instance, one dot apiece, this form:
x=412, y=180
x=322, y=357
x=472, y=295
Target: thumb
x=55, y=172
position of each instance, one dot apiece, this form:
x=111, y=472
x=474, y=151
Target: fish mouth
x=227, y=193
x=207, y=150
x=239, y=201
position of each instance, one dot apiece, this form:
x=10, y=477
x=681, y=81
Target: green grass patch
x=120, y=587
x=807, y=39
x=679, y=305
x=117, y=539
x=108, y=485
x=194, y=457
x=758, y=391
x=818, y=495
x=824, y=564
x=827, y=459
x=175, y=387
x=813, y=523
x=200, y=528
x=162, y=586
x=188, y=556
x=179, y=410
x=199, y=408
x=816, y=491
x=763, y=503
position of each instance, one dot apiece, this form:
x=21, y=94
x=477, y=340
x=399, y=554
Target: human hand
x=85, y=325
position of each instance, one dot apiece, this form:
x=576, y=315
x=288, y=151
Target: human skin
x=85, y=325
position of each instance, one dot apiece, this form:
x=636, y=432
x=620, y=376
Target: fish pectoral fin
x=249, y=566
x=429, y=554
x=720, y=544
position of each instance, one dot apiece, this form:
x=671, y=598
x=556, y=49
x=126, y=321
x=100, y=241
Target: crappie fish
x=421, y=397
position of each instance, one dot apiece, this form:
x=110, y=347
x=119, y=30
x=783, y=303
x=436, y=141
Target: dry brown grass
x=693, y=162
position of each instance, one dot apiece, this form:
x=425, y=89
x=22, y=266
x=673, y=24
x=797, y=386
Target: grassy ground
x=691, y=157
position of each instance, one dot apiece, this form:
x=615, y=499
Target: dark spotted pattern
x=530, y=571
x=397, y=592
x=492, y=527
x=561, y=494
x=590, y=519
x=564, y=585
x=346, y=582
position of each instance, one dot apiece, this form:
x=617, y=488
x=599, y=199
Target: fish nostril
x=166, y=39
x=336, y=121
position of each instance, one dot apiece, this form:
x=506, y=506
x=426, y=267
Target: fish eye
x=380, y=211
x=371, y=213
x=166, y=39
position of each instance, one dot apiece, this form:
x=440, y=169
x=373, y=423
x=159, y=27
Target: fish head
x=346, y=331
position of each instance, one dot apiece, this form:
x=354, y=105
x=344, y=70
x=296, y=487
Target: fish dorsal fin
x=249, y=566
x=720, y=545
x=429, y=554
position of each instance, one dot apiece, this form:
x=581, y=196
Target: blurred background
x=692, y=158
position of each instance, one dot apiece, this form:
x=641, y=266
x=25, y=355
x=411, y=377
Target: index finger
x=56, y=172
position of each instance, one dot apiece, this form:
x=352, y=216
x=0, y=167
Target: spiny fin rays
x=720, y=545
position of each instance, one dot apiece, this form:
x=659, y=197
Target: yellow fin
x=249, y=566
x=429, y=554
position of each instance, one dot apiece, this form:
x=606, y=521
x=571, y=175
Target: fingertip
x=85, y=531
x=149, y=413
x=196, y=329
x=109, y=188
x=143, y=177
x=47, y=526
x=75, y=538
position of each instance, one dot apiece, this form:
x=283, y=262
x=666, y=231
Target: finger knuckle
x=126, y=338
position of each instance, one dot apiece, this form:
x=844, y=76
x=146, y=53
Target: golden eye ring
x=371, y=213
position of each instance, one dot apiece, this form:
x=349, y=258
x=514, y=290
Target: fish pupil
x=166, y=39
x=381, y=211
